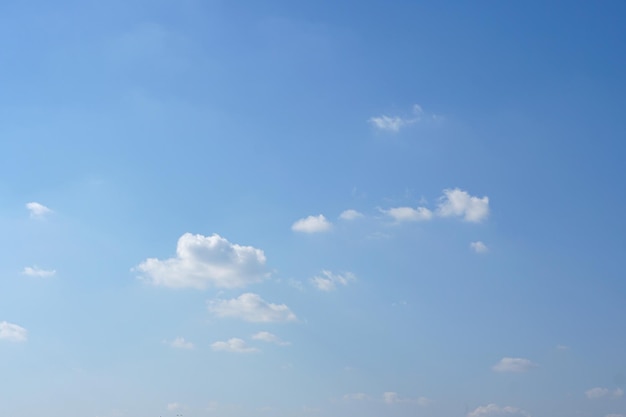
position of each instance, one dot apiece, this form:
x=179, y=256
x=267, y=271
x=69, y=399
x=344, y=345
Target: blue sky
x=312, y=209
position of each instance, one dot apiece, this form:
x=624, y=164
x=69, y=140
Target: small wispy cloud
x=37, y=210
x=497, y=411
x=408, y=214
x=479, y=247
x=514, y=365
x=173, y=406
x=312, y=224
x=328, y=281
x=395, y=123
x=252, y=308
x=269, y=338
x=599, y=392
x=234, y=345
x=351, y=214
x=12, y=332
x=180, y=343
x=391, y=397
x=356, y=396
x=35, y=271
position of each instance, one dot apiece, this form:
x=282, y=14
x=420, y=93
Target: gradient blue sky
x=321, y=209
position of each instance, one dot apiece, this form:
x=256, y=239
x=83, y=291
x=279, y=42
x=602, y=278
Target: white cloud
x=181, y=343
x=357, y=396
x=269, y=338
x=328, y=281
x=395, y=123
x=460, y=204
x=391, y=397
x=251, y=307
x=12, y=332
x=479, y=247
x=202, y=261
x=562, y=347
x=235, y=345
x=598, y=392
x=409, y=214
x=35, y=271
x=37, y=211
x=514, y=365
x=497, y=411
x=350, y=214
x=173, y=406
x=312, y=224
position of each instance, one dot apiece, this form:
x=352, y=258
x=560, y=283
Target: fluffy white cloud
x=514, y=365
x=350, y=214
x=395, y=123
x=173, y=406
x=181, y=343
x=269, y=338
x=479, y=247
x=35, y=271
x=409, y=214
x=460, y=204
x=251, y=307
x=312, y=224
x=496, y=411
x=598, y=392
x=235, y=345
x=37, y=211
x=328, y=281
x=202, y=261
x=12, y=332
x=391, y=397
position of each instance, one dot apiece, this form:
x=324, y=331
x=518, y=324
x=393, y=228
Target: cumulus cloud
x=409, y=214
x=328, y=281
x=234, y=345
x=37, y=210
x=312, y=224
x=350, y=214
x=181, y=343
x=598, y=392
x=395, y=123
x=251, y=307
x=35, y=271
x=458, y=203
x=12, y=332
x=514, y=365
x=479, y=247
x=269, y=338
x=497, y=411
x=203, y=261
x=173, y=406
